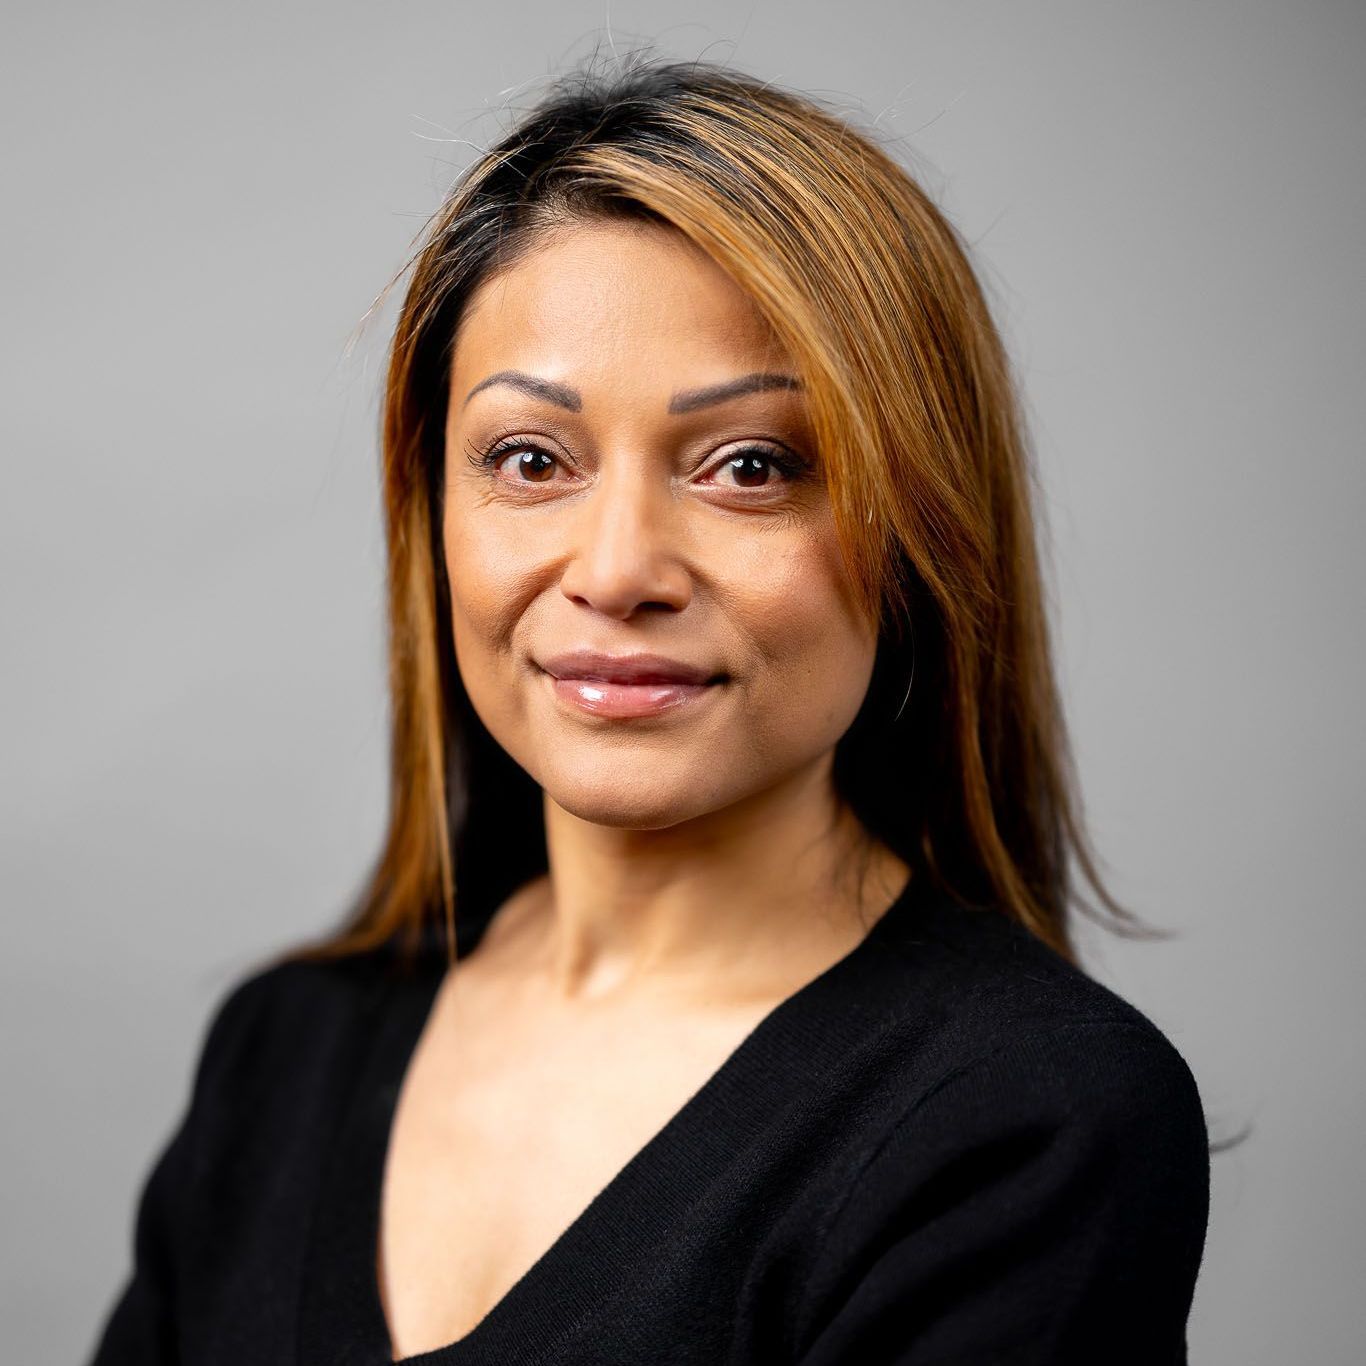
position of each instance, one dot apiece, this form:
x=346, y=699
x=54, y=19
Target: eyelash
x=791, y=466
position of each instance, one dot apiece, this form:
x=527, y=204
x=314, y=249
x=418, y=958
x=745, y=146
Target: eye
x=533, y=465
x=518, y=461
x=751, y=467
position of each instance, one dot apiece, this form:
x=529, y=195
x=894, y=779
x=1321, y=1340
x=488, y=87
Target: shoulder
x=1012, y=1058
x=977, y=989
x=1032, y=1105
x=1046, y=1201
x=1106, y=1087
x=284, y=1015
x=1038, y=1187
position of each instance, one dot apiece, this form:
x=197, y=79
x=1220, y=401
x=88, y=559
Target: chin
x=630, y=797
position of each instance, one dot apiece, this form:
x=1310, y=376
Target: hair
x=918, y=424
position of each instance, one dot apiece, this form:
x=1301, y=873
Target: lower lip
x=627, y=699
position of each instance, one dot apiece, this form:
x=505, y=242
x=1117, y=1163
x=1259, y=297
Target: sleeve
x=141, y=1326
x=1044, y=1206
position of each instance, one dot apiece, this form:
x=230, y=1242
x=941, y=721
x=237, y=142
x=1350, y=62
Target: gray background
x=200, y=203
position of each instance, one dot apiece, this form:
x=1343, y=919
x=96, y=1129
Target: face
x=650, y=609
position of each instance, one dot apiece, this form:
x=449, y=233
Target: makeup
x=623, y=700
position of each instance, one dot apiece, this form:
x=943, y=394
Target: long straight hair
x=959, y=758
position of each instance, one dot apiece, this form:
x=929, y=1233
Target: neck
x=735, y=903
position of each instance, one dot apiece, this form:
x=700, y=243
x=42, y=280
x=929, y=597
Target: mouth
x=624, y=686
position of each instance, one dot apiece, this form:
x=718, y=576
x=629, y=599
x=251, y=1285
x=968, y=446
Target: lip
x=590, y=666
x=621, y=686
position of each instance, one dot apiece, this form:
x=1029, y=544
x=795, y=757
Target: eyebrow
x=685, y=401
x=559, y=394
x=689, y=400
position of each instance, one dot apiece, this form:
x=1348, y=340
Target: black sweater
x=949, y=1147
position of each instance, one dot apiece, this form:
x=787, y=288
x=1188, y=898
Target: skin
x=701, y=866
x=638, y=530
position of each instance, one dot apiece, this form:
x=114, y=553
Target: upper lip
x=637, y=668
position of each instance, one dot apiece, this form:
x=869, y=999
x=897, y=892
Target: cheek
x=814, y=649
x=489, y=583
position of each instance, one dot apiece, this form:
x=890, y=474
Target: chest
x=502, y=1138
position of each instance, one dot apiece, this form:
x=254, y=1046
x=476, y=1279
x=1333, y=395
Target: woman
x=713, y=998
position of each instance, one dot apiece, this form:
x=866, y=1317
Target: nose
x=625, y=544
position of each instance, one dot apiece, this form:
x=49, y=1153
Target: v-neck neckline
x=590, y=1260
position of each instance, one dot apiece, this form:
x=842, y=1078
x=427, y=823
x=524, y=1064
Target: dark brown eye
x=534, y=466
x=751, y=468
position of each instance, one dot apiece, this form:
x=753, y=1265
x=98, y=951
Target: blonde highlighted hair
x=917, y=421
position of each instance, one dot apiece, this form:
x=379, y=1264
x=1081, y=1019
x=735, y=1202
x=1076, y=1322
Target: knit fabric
x=950, y=1147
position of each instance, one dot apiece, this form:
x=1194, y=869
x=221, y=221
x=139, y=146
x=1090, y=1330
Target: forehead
x=618, y=297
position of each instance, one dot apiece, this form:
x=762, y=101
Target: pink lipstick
x=621, y=686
